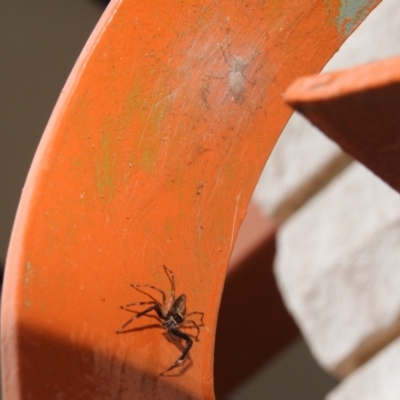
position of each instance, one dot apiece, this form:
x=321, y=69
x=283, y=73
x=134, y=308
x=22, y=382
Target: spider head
x=172, y=321
x=169, y=323
x=177, y=318
x=239, y=64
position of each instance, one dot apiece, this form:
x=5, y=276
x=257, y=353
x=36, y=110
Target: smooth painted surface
x=150, y=158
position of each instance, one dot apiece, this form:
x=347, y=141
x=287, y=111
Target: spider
x=236, y=75
x=172, y=315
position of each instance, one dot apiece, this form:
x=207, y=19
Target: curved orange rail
x=149, y=159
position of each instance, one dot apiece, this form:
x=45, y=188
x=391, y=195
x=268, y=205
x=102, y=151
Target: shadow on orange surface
x=110, y=378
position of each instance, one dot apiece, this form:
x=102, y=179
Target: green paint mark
x=152, y=137
x=329, y=4
x=106, y=168
x=133, y=107
x=134, y=100
x=147, y=160
x=169, y=227
x=351, y=13
x=148, y=114
x=77, y=162
x=203, y=16
x=330, y=8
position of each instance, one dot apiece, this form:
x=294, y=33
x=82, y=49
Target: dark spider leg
x=223, y=76
x=137, y=312
x=248, y=80
x=223, y=53
x=136, y=287
x=171, y=277
x=156, y=308
x=189, y=344
x=228, y=48
x=140, y=303
x=255, y=54
x=194, y=323
x=195, y=326
x=197, y=313
x=156, y=317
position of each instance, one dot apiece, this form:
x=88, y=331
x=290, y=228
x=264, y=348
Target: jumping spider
x=172, y=315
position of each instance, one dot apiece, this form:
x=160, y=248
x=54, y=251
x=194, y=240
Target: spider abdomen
x=236, y=84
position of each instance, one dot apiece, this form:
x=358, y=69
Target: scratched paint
x=154, y=126
x=351, y=13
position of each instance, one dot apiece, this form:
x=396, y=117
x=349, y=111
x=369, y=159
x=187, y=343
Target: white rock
x=338, y=268
x=301, y=161
x=376, y=380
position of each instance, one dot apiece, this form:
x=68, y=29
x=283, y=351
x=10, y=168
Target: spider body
x=172, y=315
x=175, y=316
x=237, y=78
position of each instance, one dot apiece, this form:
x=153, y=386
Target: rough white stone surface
x=300, y=153
x=338, y=265
x=379, y=379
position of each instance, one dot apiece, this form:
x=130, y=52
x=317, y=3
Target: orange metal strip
x=150, y=158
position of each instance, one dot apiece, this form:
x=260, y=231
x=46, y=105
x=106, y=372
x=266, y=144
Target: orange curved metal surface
x=149, y=159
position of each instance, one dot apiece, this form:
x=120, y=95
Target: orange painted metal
x=150, y=158
x=359, y=109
